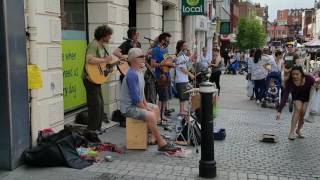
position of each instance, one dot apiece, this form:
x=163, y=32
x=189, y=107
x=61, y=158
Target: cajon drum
x=136, y=134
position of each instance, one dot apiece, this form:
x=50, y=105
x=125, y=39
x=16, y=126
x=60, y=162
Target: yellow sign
x=34, y=77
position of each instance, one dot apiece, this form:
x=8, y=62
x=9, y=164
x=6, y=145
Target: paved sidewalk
x=239, y=157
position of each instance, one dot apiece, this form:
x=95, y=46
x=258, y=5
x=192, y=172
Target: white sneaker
x=258, y=101
x=291, y=137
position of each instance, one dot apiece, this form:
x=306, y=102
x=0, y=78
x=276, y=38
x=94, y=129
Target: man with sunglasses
x=159, y=52
x=132, y=100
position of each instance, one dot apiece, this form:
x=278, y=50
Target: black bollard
x=207, y=164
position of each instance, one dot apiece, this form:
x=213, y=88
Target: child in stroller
x=233, y=66
x=273, y=93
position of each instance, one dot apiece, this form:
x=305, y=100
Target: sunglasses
x=141, y=56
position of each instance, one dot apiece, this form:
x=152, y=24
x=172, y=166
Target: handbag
x=315, y=104
x=250, y=87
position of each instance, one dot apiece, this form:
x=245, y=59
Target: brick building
x=246, y=8
x=288, y=25
x=307, y=21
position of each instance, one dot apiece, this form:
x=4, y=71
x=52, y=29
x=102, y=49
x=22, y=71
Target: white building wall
x=44, y=49
x=172, y=25
x=149, y=20
x=155, y=17
x=115, y=14
x=317, y=25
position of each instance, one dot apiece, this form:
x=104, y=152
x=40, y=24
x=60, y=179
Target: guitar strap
x=105, y=50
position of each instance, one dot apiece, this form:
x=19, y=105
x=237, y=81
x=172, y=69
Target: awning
x=313, y=43
x=224, y=37
x=229, y=37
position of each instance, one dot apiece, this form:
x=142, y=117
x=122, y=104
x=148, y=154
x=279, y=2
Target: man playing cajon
x=133, y=102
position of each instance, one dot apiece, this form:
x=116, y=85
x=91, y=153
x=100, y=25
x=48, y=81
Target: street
x=240, y=156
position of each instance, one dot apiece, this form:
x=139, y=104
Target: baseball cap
x=134, y=53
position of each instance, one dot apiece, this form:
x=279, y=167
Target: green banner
x=192, y=7
x=73, y=54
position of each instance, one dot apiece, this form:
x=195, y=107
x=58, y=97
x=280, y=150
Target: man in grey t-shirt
x=133, y=103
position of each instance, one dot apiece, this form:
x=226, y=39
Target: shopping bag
x=250, y=88
x=315, y=104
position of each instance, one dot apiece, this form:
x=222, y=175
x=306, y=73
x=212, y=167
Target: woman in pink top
x=299, y=85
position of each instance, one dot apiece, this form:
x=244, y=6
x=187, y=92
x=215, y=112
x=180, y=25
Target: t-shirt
x=126, y=46
x=158, y=54
x=298, y=92
x=132, y=89
x=290, y=59
x=258, y=71
x=181, y=62
x=95, y=50
x=270, y=60
x=205, y=60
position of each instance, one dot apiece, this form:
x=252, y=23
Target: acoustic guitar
x=99, y=73
x=124, y=67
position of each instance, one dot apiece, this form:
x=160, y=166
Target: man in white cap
x=133, y=103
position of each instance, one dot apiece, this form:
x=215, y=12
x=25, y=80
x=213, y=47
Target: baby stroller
x=273, y=91
x=243, y=67
x=233, y=66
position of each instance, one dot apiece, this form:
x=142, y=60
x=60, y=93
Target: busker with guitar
x=96, y=54
x=122, y=51
x=182, y=74
x=133, y=102
x=158, y=61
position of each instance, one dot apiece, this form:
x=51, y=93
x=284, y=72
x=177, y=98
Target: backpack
x=117, y=116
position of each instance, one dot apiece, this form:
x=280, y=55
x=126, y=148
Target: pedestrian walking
x=248, y=77
x=258, y=75
x=299, y=85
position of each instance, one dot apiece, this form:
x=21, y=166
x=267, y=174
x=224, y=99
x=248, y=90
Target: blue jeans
x=260, y=88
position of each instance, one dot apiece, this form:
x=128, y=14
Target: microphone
x=148, y=38
x=127, y=39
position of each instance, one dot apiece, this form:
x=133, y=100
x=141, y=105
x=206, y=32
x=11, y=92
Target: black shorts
x=181, y=89
x=300, y=97
x=163, y=93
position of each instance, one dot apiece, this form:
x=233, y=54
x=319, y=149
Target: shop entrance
x=132, y=13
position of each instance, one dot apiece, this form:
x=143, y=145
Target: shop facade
x=53, y=35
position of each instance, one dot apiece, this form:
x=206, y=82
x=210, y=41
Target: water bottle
x=178, y=124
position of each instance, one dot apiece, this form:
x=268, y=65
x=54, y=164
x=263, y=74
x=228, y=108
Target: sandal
x=168, y=147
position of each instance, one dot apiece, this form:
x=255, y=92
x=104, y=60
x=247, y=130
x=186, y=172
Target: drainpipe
x=32, y=51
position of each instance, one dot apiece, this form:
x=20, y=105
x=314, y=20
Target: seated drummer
x=133, y=103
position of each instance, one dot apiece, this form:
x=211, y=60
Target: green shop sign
x=73, y=54
x=192, y=7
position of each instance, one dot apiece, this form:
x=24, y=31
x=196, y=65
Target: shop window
x=74, y=43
